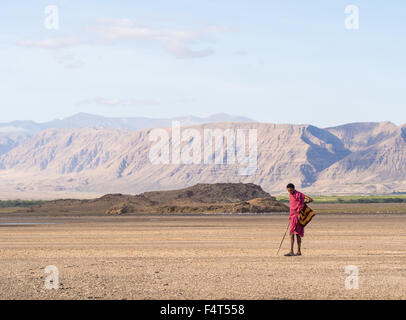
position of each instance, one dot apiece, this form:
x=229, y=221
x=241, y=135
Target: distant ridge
x=13, y=133
x=367, y=158
x=86, y=120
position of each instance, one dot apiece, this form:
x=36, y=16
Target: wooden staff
x=283, y=237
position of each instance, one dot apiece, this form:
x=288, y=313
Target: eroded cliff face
x=364, y=157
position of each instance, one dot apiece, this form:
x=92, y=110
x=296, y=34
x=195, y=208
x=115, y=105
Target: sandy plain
x=201, y=257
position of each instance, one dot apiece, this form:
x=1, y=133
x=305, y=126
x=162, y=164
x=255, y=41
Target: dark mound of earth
x=201, y=198
x=210, y=193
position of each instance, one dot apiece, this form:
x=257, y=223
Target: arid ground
x=201, y=257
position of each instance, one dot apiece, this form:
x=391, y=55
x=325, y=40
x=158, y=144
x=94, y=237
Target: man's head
x=291, y=188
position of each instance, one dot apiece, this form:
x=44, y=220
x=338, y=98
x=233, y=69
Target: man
x=296, y=203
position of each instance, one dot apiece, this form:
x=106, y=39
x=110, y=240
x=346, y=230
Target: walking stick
x=283, y=238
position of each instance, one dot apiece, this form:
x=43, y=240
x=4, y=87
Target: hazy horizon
x=192, y=116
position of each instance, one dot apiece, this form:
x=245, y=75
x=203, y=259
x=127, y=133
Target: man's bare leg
x=292, y=243
x=299, y=245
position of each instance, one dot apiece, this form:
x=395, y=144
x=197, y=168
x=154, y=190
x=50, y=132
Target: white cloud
x=68, y=60
x=177, y=42
x=64, y=57
x=182, y=52
x=112, y=102
x=51, y=43
x=180, y=43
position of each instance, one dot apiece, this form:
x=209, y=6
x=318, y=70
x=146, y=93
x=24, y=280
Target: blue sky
x=274, y=61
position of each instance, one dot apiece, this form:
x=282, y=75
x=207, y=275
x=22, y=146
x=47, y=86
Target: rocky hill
x=201, y=198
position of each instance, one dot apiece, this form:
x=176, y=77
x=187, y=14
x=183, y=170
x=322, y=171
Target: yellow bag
x=306, y=215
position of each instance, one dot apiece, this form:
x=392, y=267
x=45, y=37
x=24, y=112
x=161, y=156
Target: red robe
x=296, y=203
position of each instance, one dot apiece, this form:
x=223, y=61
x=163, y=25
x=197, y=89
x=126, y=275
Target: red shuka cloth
x=296, y=203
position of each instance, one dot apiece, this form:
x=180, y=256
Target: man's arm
x=307, y=199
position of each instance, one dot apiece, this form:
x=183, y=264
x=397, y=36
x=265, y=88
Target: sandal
x=290, y=254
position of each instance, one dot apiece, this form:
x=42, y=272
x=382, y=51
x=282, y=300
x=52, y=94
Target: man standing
x=296, y=202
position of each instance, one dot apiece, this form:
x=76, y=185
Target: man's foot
x=290, y=254
x=298, y=254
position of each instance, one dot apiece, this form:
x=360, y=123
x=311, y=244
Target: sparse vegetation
x=20, y=203
x=398, y=198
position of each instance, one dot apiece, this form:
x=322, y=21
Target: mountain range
x=12, y=133
x=86, y=120
x=88, y=154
